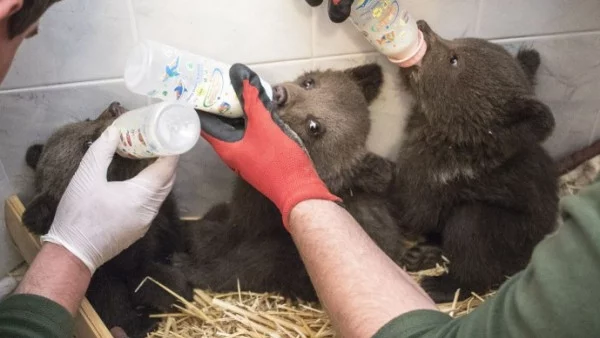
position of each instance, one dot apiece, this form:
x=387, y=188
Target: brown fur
x=471, y=171
x=246, y=239
x=111, y=291
x=30, y=12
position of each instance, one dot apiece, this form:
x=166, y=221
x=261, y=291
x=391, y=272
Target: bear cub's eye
x=454, y=60
x=88, y=143
x=314, y=127
x=308, y=84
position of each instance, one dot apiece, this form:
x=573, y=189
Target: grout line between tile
x=326, y=57
x=120, y=80
x=478, y=18
x=133, y=22
x=4, y=178
x=313, y=40
x=337, y=56
x=61, y=86
x=592, y=137
x=545, y=36
x=313, y=59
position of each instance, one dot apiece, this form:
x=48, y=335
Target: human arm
x=335, y=248
x=58, y=275
x=332, y=244
x=555, y=296
x=47, y=299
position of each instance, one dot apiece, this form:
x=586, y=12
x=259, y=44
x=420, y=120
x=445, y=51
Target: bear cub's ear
x=535, y=114
x=39, y=214
x=370, y=78
x=530, y=60
x=32, y=157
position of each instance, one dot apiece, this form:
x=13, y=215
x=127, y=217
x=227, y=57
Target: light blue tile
x=509, y=18
x=230, y=31
x=78, y=40
x=569, y=82
x=449, y=18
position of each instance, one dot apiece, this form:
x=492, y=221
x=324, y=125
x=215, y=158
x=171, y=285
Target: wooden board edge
x=87, y=323
x=27, y=243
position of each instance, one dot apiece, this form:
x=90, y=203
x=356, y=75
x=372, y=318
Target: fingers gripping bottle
x=160, y=71
x=391, y=29
x=166, y=128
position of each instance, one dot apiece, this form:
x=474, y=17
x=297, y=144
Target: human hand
x=263, y=150
x=339, y=10
x=97, y=219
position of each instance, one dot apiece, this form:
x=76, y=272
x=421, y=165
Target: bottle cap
x=417, y=55
x=177, y=127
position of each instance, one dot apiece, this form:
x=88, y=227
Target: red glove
x=262, y=149
x=339, y=10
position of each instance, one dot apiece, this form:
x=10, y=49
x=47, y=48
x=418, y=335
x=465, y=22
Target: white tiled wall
x=72, y=69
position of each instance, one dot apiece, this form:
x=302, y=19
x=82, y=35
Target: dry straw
x=248, y=314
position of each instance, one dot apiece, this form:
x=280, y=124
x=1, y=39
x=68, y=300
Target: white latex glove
x=97, y=219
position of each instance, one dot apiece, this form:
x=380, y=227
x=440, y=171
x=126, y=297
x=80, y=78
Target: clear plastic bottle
x=166, y=128
x=170, y=74
x=391, y=29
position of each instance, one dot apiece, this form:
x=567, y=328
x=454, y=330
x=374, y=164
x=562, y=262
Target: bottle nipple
x=416, y=56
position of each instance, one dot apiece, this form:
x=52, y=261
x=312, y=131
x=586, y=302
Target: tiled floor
x=72, y=70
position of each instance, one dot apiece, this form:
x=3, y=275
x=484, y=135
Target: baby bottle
x=166, y=128
x=164, y=72
x=391, y=29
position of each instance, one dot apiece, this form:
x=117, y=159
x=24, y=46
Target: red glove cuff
x=313, y=191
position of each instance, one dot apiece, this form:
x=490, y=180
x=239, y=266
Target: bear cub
x=471, y=173
x=245, y=239
x=111, y=290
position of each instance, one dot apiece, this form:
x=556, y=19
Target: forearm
x=58, y=275
x=335, y=248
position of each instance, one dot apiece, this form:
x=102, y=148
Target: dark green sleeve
x=557, y=295
x=31, y=316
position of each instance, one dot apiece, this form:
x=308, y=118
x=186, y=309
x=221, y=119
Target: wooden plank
x=87, y=323
x=27, y=243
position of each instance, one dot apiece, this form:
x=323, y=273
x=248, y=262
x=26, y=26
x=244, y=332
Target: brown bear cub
x=245, y=240
x=471, y=172
x=111, y=291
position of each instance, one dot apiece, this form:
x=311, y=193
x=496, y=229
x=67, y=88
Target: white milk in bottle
x=391, y=29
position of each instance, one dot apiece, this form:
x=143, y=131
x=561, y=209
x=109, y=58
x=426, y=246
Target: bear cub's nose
x=280, y=95
x=423, y=26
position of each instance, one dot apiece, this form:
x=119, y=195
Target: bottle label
x=215, y=89
x=385, y=24
x=133, y=144
x=202, y=84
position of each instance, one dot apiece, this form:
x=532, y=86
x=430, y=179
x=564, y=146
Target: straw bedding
x=247, y=314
